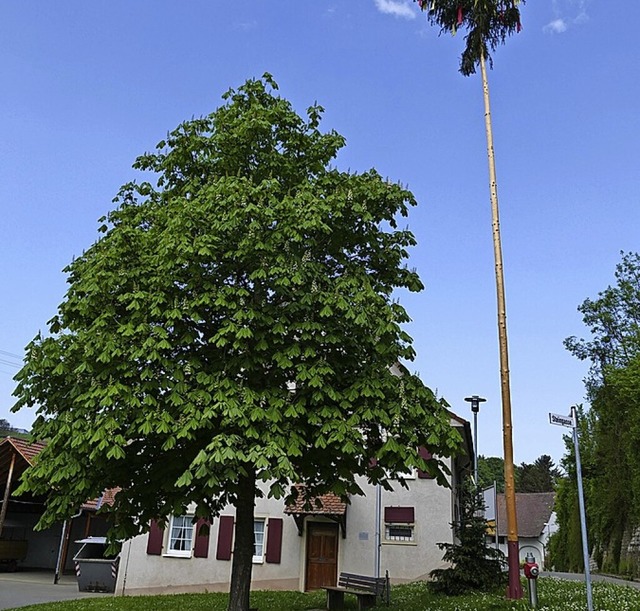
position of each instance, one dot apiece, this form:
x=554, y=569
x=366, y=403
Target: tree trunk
x=515, y=589
x=243, y=545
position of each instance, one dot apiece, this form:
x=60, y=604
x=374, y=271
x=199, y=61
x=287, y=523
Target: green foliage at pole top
x=234, y=323
x=488, y=23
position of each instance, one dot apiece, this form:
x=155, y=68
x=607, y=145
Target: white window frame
x=400, y=539
x=259, y=540
x=180, y=522
x=411, y=474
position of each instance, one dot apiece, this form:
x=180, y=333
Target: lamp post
x=475, y=401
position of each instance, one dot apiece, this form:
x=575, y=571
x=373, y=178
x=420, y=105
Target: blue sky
x=88, y=86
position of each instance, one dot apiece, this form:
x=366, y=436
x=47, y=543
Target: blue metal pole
x=583, y=519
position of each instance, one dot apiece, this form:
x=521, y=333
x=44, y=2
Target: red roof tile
x=106, y=498
x=28, y=450
x=326, y=504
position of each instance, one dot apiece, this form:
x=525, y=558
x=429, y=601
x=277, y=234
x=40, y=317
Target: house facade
x=536, y=523
x=298, y=548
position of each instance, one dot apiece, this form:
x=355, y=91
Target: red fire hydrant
x=531, y=572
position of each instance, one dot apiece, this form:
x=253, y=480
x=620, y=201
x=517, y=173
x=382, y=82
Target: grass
x=553, y=595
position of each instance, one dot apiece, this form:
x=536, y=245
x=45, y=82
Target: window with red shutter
x=201, y=546
x=155, y=539
x=399, y=524
x=274, y=540
x=399, y=514
x=225, y=538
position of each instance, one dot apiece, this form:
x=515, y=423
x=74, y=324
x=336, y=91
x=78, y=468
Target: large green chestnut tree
x=232, y=332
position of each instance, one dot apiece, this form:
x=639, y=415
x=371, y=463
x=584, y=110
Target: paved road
x=594, y=577
x=31, y=587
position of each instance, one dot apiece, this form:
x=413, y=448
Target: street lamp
x=475, y=401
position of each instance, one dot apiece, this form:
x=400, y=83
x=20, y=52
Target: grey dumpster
x=95, y=571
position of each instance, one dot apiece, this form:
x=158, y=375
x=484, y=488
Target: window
x=399, y=532
x=410, y=474
x=258, y=540
x=399, y=525
x=180, y=536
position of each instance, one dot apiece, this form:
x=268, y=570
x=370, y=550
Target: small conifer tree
x=474, y=565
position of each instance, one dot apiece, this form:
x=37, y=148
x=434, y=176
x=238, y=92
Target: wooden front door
x=322, y=555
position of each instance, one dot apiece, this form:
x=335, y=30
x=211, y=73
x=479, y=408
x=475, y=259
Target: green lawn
x=553, y=595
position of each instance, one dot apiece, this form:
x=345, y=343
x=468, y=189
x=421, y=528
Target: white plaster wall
x=433, y=505
x=404, y=561
x=140, y=571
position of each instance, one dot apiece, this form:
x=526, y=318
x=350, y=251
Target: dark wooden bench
x=366, y=589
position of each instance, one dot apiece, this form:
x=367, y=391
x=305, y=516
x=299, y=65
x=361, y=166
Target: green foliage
x=613, y=320
x=490, y=470
x=540, y=476
x=6, y=430
x=488, y=24
x=234, y=323
x=565, y=546
x=474, y=565
x=610, y=431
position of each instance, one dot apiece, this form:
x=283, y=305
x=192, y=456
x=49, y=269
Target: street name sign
x=561, y=420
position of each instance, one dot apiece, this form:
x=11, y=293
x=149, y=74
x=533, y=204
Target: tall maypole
x=488, y=23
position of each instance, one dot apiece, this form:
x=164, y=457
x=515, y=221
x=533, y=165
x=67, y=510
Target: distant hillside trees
x=539, y=476
x=6, y=428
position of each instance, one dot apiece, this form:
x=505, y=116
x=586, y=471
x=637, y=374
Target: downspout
x=378, y=517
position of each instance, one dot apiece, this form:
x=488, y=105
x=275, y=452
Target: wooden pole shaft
x=515, y=589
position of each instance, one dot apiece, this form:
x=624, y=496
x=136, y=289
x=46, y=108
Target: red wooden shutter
x=201, y=546
x=274, y=540
x=402, y=515
x=154, y=542
x=426, y=455
x=225, y=538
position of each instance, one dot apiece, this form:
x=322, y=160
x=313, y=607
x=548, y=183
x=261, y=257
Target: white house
x=302, y=549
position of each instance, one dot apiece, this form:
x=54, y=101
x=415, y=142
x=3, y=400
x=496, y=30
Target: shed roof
x=22, y=452
x=26, y=449
x=26, y=452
